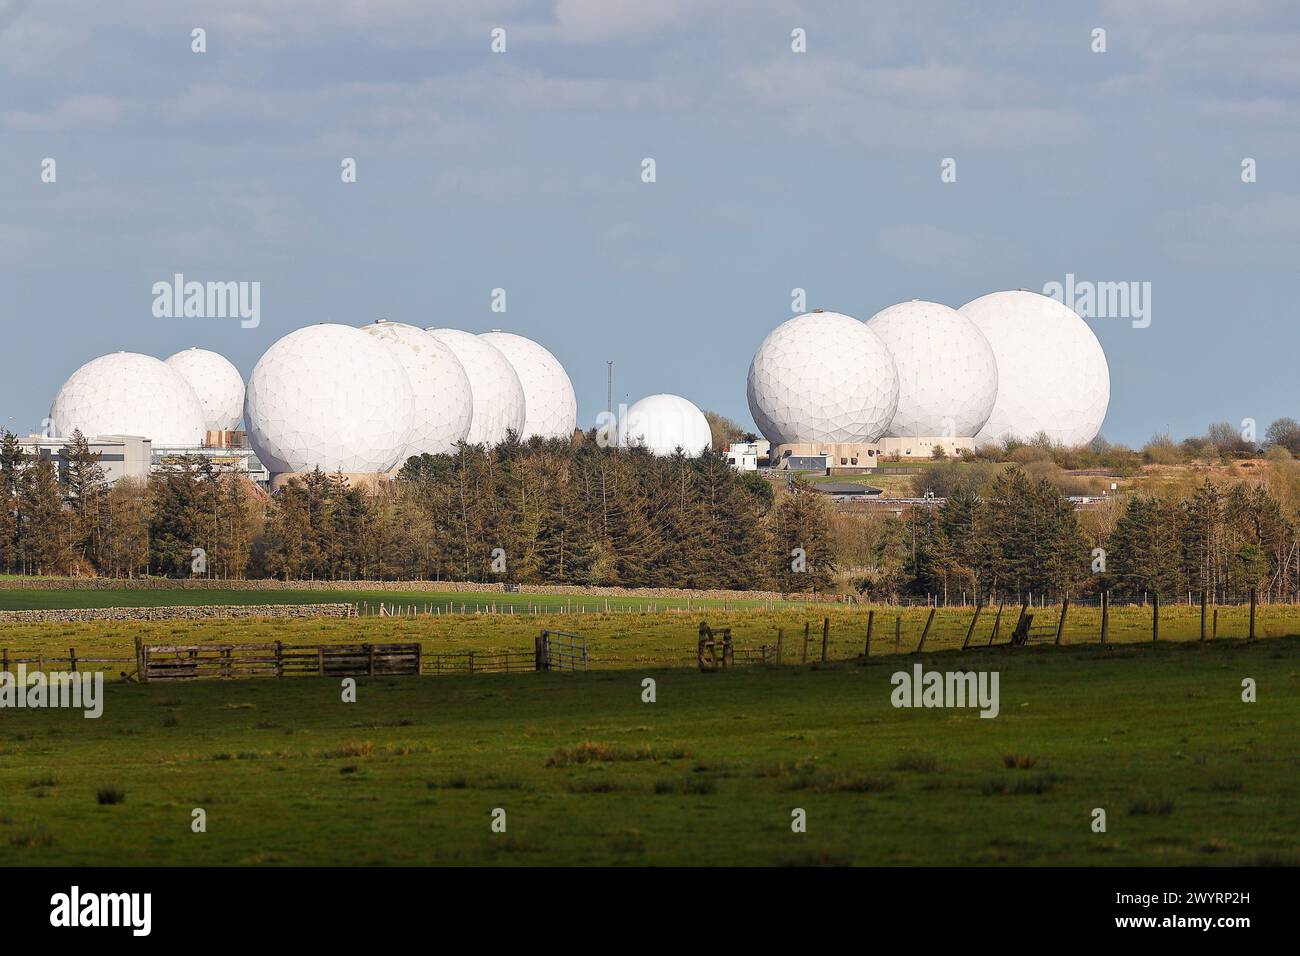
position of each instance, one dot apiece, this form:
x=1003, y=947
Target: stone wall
x=198, y=613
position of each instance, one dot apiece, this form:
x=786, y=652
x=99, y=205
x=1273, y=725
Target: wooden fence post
x=780, y=645
x=1105, y=615
x=1024, y=609
x=997, y=624
x=279, y=659
x=370, y=659
x=1155, y=615
x=1202, y=613
x=72, y=659
x=1060, y=625
x=1214, y=633
x=898, y=631
x=928, y=621
x=805, y=643
x=971, y=630
x=5, y=666
x=320, y=659
x=141, y=660
x=1253, y=596
x=871, y=620
x=539, y=652
x=826, y=636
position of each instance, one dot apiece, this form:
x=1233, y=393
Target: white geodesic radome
x=1052, y=372
x=551, y=407
x=127, y=393
x=498, y=395
x=947, y=374
x=328, y=396
x=216, y=382
x=822, y=377
x=444, y=402
x=663, y=423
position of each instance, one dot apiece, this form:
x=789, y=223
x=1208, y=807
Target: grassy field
x=634, y=639
x=709, y=774
x=21, y=599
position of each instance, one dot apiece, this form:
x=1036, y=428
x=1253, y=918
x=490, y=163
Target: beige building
x=853, y=458
x=845, y=459
x=923, y=447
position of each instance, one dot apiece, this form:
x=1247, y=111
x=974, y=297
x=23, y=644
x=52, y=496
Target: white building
x=746, y=455
x=230, y=458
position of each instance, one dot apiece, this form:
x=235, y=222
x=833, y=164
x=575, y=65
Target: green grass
x=627, y=639
x=588, y=774
x=22, y=599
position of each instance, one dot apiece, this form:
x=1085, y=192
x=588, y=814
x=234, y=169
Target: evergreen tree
x=801, y=540
x=1143, y=554
x=12, y=458
x=42, y=525
x=85, y=495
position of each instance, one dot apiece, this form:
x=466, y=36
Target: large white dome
x=218, y=385
x=129, y=394
x=947, y=375
x=663, y=423
x=1052, y=372
x=443, y=400
x=498, y=396
x=822, y=377
x=549, y=402
x=328, y=396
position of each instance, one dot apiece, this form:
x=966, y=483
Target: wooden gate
x=561, y=651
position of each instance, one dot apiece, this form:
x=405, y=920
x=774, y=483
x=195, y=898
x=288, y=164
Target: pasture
x=630, y=637
x=449, y=602
x=587, y=773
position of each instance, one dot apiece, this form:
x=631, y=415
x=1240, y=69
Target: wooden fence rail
x=1052, y=624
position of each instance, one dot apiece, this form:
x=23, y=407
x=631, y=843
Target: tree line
x=573, y=512
x=1019, y=536
x=559, y=512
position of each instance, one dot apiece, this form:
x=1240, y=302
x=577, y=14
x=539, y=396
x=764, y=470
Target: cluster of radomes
x=172, y=402
x=1006, y=365
x=332, y=396
x=366, y=400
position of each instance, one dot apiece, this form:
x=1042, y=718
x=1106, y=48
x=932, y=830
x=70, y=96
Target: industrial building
x=120, y=456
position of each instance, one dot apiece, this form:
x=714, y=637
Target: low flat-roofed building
x=240, y=461
x=120, y=456
x=923, y=446
x=848, y=458
x=748, y=455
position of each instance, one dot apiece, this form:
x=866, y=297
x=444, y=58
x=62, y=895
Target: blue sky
x=775, y=170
